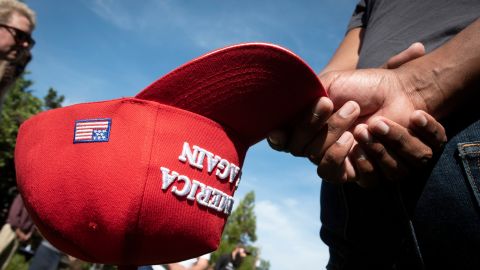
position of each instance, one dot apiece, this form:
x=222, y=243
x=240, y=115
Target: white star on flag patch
x=92, y=130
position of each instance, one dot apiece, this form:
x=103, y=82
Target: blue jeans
x=145, y=267
x=45, y=258
x=431, y=220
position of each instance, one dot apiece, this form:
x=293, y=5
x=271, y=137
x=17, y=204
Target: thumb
x=415, y=51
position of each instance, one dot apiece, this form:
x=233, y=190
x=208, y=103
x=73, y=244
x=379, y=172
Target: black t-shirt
x=225, y=262
x=393, y=25
x=364, y=227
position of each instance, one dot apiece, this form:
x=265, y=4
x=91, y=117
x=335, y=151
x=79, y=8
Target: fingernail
x=381, y=127
x=274, y=139
x=347, y=109
x=361, y=155
x=364, y=136
x=344, y=138
x=421, y=121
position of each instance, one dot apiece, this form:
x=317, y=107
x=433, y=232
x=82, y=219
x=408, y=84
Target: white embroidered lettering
x=221, y=204
x=200, y=157
x=212, y=161
x=204, y=196
x=186, y=186
x=193, y=190
x=215, y=199
x=225, y=166
x=167, y=179
x=238, y=179
x=228, y=205
x=187, y=154
x=234, y=170
x=220, y=201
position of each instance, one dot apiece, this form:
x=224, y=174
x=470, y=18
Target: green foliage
x=242, y=223
x=52, y=100
x=264, y=265
x=240, y=228
x=19, y=105
x=18, y=262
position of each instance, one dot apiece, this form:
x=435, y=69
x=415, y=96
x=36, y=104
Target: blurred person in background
x=17, y=22
x=200, y=263
x=233, y=260
x=18, y=229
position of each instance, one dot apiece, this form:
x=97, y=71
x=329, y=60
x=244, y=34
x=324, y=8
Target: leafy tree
x=264, y=265
x=242, y=223
x=240, y=228
x=19, y=105
x=52, y=100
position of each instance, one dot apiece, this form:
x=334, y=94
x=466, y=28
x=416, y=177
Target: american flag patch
x=92, y=130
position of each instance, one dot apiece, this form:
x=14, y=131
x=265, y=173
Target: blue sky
x=91, y=50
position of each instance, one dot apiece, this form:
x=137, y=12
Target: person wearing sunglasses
x=17, y=22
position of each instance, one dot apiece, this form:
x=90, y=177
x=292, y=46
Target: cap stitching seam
x=139, y=214
x=176, y=110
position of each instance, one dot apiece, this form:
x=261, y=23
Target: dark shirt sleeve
x=18, y=216
x=360, y=16
x=14, y=212
x=222, y=261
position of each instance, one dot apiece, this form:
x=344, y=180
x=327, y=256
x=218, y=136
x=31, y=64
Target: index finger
x=304, y=133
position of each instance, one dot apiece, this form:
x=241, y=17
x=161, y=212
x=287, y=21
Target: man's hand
x=385, y=150
x=323, y=139
x=22, y=236
x=379, y=92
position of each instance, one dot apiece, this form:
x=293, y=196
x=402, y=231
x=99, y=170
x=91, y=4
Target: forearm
x=444, y=79
x=346, y=55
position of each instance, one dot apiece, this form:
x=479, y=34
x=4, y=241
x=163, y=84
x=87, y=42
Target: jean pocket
x=470, y=155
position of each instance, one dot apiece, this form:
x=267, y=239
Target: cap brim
x=249, y=88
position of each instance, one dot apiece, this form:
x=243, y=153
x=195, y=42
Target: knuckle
x=401, y=139
x=366, y=169
x=327, y=175
x=378, y=150
x=330, y=159
x=328, y=168
x=333, y=127
x=424, y=155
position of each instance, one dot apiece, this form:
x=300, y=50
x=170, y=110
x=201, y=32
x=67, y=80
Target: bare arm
x=346, y=55
x=442, y=80
x=437, y=83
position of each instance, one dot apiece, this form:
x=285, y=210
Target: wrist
x=448, y=77
x=415, y=87
x=427, y=86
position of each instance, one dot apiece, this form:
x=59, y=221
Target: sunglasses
x=20, y=37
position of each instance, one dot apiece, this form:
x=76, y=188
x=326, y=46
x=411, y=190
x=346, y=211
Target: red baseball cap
x=150, y=179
